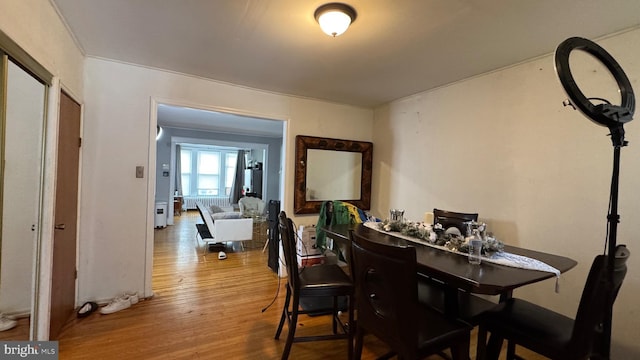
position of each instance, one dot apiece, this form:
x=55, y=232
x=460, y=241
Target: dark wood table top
x=455, y=270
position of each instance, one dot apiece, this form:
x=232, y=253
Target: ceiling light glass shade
x=334, y=22
x=335, y=18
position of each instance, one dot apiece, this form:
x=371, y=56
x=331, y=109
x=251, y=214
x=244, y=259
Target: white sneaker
x=117, y=304
x=133, y=298
x=6, y=323
x=120, y=303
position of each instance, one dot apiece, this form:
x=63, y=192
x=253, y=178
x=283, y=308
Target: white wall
x=538, y=173
x=35, y=26
x=116, y=232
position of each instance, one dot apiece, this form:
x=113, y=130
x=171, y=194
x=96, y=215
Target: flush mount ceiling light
x=335, y=18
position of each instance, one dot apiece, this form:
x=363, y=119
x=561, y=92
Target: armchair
x=251, y=207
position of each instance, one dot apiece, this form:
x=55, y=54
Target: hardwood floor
x=203, y=308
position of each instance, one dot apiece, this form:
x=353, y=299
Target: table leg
x=495, y=343
x=451, y=306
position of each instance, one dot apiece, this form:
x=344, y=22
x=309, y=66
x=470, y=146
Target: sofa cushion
x=214, y=209
x=226, y=215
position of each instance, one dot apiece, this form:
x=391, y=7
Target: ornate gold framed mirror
x=331, y=169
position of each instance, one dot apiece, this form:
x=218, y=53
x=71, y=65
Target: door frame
x=151, y=169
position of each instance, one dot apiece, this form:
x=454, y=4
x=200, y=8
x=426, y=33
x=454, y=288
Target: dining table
x=455, y=272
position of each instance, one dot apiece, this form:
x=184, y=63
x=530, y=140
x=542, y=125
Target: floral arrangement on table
x=436, y=234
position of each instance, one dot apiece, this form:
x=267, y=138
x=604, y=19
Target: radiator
x=190, y=201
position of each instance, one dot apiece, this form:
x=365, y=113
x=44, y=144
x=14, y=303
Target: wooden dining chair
x=454, y=219
x=320, y=281
x=387, y=305
x=551, y=334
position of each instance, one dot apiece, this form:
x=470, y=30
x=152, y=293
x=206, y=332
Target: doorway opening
x=217, y=134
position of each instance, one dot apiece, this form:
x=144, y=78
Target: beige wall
x=116, y=231
x=538, y=173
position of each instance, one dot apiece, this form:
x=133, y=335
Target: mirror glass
x=21, y=178
x=342, y=182
x=331, y=169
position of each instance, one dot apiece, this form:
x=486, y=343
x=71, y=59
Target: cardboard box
x=306, y=249
x=305, y=261
x=306, y=244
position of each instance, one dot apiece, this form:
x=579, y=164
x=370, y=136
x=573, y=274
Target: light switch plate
x=139, y=172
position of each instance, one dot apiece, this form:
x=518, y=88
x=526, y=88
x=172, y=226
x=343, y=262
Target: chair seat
x=436, y=331
x=203, y=231
x=533, y=326
x=324, y=280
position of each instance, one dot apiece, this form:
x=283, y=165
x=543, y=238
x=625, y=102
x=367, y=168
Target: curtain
x=238, y=179
x=178, y=172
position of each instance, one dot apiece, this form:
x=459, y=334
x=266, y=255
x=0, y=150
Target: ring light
x=613, y=117
x=606, y=114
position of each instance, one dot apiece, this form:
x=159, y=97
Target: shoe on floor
x=117, y=304
x=6, y=323
x=120, y=303
x=133, y=298
x=86, y=309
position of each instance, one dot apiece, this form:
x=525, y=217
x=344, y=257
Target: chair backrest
x=251, y=206
x=593, y=303
x=385, y=277
x=454, y=219
x=288, y=236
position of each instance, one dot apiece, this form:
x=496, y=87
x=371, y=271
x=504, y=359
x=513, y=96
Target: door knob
x=59, y=226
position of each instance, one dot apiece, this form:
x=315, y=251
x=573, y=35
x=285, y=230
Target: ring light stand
x=613, y=117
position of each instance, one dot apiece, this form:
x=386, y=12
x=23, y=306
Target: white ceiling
x=196, y=119
x=393, y=49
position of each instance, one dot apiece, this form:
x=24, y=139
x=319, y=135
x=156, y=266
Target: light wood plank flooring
x=203, y=308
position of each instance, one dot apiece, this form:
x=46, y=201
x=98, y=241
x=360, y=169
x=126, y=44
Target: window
x=230, y=164
x=207, y=171
x=185, y=171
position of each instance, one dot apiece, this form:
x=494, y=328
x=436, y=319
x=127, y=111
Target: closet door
x=63, y=277
x=23, y=107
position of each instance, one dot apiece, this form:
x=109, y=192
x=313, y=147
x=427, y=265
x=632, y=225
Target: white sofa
x=221, y=228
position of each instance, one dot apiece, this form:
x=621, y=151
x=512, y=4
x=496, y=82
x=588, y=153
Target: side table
x=177, y=205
